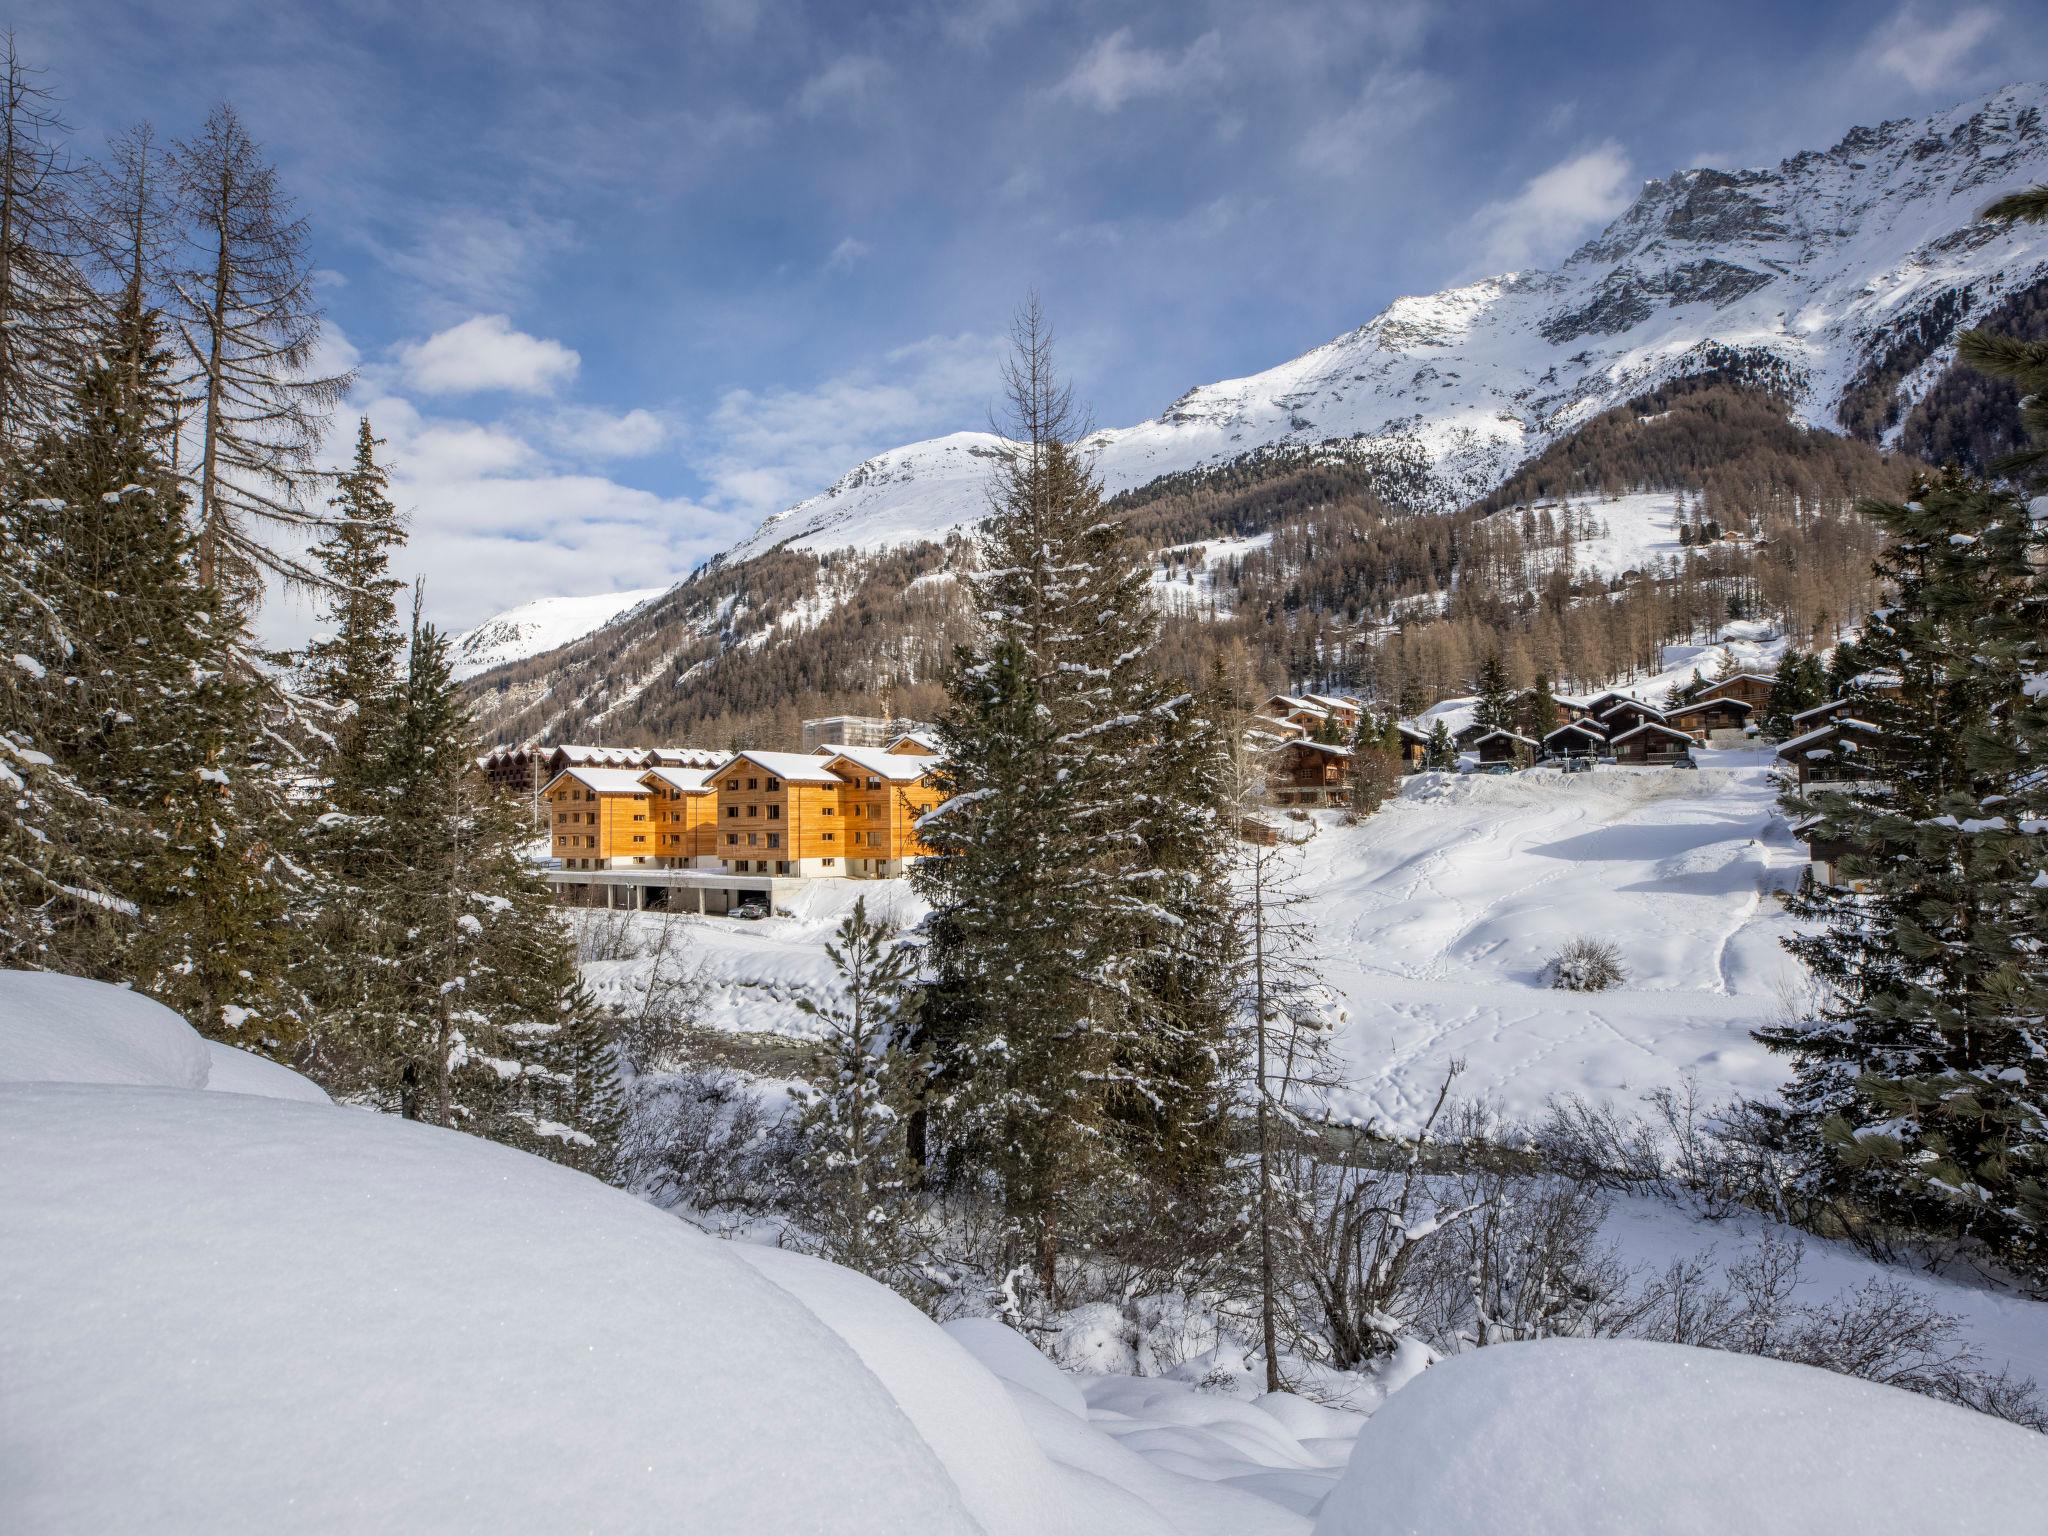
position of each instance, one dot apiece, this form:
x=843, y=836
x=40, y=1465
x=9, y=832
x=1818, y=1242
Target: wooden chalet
x=1414, y=747
x=1651, y=743
x=1506, y=747
x=600, y=818
x=1626, y=714
x=1306, y=713
x=1820, y=714
x=1265, y=730
x=1705, y=717
x=1580, y=738
x=1302, y=773
x=1752, y=688
x=884, y=793
x=1347, y=712
x=1843, y=750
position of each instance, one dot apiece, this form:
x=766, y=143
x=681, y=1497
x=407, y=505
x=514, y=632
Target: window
x=732, y=810
x=828, y=863
x=639, y=837
x=827, y=836
x=732, y=783
x=829, y=811
x=782, y=866
x=732, y=839
x=775, y=813
x=750, y=839
x=753, y=783
x=753, y=810
x=774, y=839
x=874, y=783
x=775, y=783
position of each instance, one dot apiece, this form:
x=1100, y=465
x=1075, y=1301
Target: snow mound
x=232, y=1314
x=237, y=1071
x=1583, y=1437
x=61, y=1029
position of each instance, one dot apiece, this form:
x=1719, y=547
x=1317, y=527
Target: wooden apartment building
x=600, y=818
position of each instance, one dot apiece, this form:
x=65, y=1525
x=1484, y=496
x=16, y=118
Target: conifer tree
x=1798, y=686
x=1375, y=761
x=1537, y=710
x=855, y=1157
x=1920, y=1091
x=248, y=325
x=1053, y=975
x=2023, y=363
x=1441, y=753
x=476, y=1017
x=1496, y=707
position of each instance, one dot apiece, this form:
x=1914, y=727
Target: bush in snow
x=1586, y=965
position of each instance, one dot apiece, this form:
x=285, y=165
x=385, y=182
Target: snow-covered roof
x=605, y=781
x=1333, y=701
x=1623, y=701
x=1754, y=677
x=901, y=767
x=1266, y=725
x=686, y=757
x=1319, y=746
x=602, y=757
x=925, y=739
x=690, y=781
x=1403, y=728
x=1822, y=732
x=1651, y=725
x=796, y=767
x=1821, y=709
x=1877, y=680
x=1579, y=728
x=1714, y=703
x=1509, y=735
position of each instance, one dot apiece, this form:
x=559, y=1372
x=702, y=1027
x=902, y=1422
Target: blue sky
x=622, y=278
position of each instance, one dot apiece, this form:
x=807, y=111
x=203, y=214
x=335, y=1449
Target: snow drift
x=1573, y=1437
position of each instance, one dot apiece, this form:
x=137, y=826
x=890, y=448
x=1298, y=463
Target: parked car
x=751, y=911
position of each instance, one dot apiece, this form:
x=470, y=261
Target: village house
x=1581, y=738
x=1626, y=714
x=1752, y=688
x=1505, y=747
x=838, y=811
x=1347, y=712
x=1310, y=716
x=599, y=818
x=1720, y=720
x=1841, y=750
x=1651, y=744
x=1267, y=730
x=1302, y=773
x=1414, y=747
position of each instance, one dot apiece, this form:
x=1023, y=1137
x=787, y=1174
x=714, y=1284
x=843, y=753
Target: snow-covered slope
x=1803, y=273
x=539, y=626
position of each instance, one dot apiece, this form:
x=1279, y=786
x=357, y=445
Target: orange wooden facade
x=685, y=807
x=599, y=816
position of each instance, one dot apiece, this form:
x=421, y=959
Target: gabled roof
x=922, y=739
x=1319, y=746
x=1333, y=701
x=900, y=767
x=1715, y=703
x=1754, y=677
x=1509, y=735
x=605, y=781
x=691, y=781
x=602, y=757
x=1833, y=706
x=1291, y=703
x=1624, y=701
x=1652, y=725
x=1579, y=728
x=1831, y=728
x=1266, y=725
x=1408, y=731
x=686, y=757
x=796, y=767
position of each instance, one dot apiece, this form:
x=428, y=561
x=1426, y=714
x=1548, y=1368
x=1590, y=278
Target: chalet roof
x=796, y=767
x=924, y=739
x=1265, y=725
x=1822, y=732
x=1318, y=746
x=1877, y=680
x=1408, y=731
x=1591, y=728
x=686, y=757
x=1509, y=735
x=1290, y=703
x=1624, y=701
x=601, y=757
x=1333, y=701
x=1831, y=707
x=1652, y=725
x=1754, y=677
x=691, y=781
x=605, y=781
x=1699, y=704
x=901, y=767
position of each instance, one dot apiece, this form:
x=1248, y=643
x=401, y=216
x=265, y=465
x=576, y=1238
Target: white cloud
x=592, y=435
x=1383, y=115
x=847, y=253
x=468, y=259
x=1549, y=215
x=1116, y=70
x=1929, y=55
x=844, y=85
x=483, y=353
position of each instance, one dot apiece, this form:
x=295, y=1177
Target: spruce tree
x=1799, y=685
x=851, y=1126
x=1375, y=762
x=1496, y=707
x=1920, y=1089
x=475, y=1016
x=1440, y=754
x=1054, y=1008
x=1537, y=711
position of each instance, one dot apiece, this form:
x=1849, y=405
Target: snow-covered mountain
x=539, y=626
x=1808, y=274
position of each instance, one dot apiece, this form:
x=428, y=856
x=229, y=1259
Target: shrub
x=1586, y=965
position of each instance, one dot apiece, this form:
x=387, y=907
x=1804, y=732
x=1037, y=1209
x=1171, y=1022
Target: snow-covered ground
x=541, y=625
x=204, y=1279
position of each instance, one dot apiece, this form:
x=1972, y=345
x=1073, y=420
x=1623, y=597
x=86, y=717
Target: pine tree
x=1496, y=707
x=474, y=1016
x=1799, y=685
x=2024, y=363
x=1375, y=762
x=1537, y=711
x=1920, y=1090
x=248, y=325
x=45, y=304
x=1052, y=971
x=855, y=1157
x=1440, y=755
